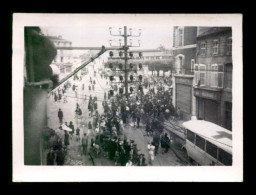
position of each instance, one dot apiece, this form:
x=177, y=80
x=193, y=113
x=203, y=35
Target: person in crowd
x=50, y=157
x=90, y=125
x=141, y=160
x=167, y=142
x=85, y=144
x=151, y=149
x=148, y=128
x=71, y=126
x=60, y=158
x=156, y=140
x=134, y=119
x=129, y=163
x=138, y=115
x=66, y=139
x=77, y=134
x=60, y=116
x=55, y=97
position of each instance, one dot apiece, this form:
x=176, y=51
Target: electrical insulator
x=131, y=66
x=140, y=66
x=120, y=66
x=111, y=54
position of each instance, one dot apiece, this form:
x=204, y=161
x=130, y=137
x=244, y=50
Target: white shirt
x=128, y=164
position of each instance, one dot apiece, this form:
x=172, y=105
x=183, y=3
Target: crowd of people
x=105, y=135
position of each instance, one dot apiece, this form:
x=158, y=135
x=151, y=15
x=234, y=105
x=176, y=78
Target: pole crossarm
x=88, y=48
x=103, y=50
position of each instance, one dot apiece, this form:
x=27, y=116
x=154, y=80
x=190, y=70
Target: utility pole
x=125, y=61
x=125, y=48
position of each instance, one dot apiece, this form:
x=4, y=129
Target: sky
x=94, y=31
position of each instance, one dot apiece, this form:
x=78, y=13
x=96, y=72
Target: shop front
x=208, y=104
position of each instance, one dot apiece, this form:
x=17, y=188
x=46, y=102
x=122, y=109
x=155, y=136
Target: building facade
x=64, y=58
x=184, y=51
x=213, y=76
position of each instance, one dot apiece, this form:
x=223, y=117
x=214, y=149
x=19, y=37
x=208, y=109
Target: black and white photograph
x=127, y=97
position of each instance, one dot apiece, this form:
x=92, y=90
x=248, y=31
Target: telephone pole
x=125, y=61
x=125, y=48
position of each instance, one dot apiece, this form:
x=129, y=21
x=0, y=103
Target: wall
x=35, y=122
x=222, y=58
x=190, y=34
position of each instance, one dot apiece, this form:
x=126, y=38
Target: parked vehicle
x=208, y=143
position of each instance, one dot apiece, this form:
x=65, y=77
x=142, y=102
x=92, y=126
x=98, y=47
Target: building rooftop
x=214, y=30
x=57, y=38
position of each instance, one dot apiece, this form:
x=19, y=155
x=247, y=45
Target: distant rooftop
x=57, y=38
x=214, y=30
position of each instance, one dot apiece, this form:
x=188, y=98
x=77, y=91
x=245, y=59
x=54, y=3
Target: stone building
x=184, y=52
x=213, y=76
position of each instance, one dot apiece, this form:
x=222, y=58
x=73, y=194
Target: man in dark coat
x=60, y=115
x=85, y=144
x=66, y=139
x=71, y=126
x=167, y=142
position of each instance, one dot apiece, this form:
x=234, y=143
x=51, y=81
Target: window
x=211, y=149
x=180, y=37
x=217, y=75
x=190, y=136
x=215, y=47
x=158, y=57
x=152, y=58
x=228, y=76
x=200, y=142
x=229, y=45
x=203, y=48
x=192, y=65
x=68, y=69
x=224, y=157
x=202, y=74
